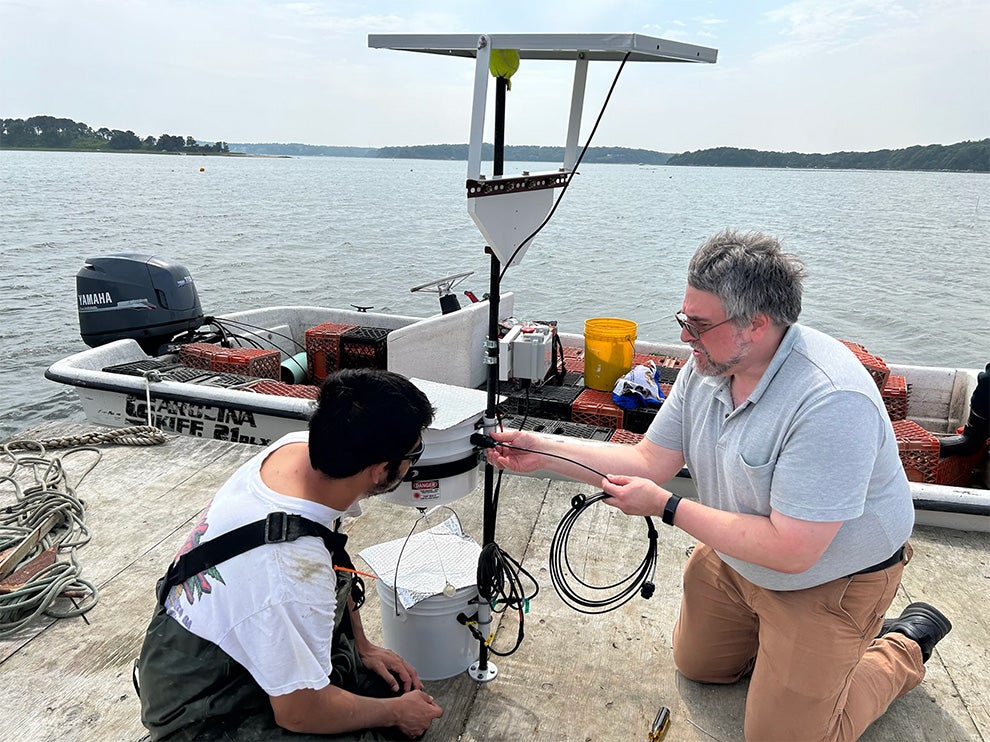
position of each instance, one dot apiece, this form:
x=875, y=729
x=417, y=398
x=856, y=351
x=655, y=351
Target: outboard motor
x=143, y=297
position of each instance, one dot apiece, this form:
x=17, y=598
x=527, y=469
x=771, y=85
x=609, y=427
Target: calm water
x=897, y=261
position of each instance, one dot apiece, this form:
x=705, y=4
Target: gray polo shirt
x=813, y=441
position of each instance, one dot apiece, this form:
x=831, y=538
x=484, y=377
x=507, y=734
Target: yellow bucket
x=608, y=351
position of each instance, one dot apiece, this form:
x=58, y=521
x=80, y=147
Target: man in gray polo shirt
x=804, y=509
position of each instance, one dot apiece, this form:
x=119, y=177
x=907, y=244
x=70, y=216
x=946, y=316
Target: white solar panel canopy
x=509, y=210
x=561, y=46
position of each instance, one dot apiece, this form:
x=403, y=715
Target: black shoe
x=921, y=623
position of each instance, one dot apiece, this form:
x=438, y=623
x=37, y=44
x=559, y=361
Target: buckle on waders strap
x=277, y=528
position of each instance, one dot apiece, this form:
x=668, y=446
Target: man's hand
x=634, y=495
x=391, y=667
x=509, y=458
x=416, y=712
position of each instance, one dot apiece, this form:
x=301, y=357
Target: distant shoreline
x=48, y=133
x=136, y=152
x=879, y=161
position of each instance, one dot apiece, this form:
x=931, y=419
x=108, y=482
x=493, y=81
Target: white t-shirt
x=271, y=608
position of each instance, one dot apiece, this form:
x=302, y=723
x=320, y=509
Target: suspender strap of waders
x=277, y=528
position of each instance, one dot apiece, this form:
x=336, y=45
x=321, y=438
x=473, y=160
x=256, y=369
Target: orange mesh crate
x=642, y=359
x=957, y=471
x=596, y=408
x=875, y=365
x=246, y=361
x=625, y=436
x=918, y=449
x=323, y=348
x=855, y=347
x=895, y=397
x=574, y=358
x=281, y=389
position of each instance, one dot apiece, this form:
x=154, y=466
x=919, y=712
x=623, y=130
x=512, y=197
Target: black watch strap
x=669, y=509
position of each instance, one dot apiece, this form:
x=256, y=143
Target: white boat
x=120, y=383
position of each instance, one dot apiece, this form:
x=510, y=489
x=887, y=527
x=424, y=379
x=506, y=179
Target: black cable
x=257, y=344
x=640, y=580
x=252, y=342
x=551, y=455
x=573, y=172
x=621, y=591
x=500, y=585
x=245, y=325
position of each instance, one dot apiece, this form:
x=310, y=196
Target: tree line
x=964, y=156
x=49, y=132
x=525, y=153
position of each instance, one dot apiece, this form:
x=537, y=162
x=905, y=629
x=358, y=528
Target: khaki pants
x=818, y=673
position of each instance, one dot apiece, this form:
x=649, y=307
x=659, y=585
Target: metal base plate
x=483, y=676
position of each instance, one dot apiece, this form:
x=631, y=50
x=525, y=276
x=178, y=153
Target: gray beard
x=708, y=367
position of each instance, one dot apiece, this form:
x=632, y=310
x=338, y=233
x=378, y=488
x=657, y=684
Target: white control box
x=532, y=353
x=505, y=354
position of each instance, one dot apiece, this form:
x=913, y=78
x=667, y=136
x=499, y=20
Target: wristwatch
x=669, y=509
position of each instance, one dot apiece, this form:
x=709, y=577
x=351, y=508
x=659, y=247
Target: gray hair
x=751, y=275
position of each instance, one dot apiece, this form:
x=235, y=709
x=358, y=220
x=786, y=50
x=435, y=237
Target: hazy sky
x=809, y=76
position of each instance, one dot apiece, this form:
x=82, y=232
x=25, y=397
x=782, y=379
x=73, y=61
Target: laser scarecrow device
x=510, y=211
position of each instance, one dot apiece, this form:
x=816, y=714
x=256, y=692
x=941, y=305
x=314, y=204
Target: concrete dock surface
x=575, y=677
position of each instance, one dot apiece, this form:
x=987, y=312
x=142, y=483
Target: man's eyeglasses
x=693, y=330
x=413, y=456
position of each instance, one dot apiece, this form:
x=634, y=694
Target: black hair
x=366, y=416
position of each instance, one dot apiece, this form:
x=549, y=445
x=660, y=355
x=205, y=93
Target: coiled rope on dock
x=46, y=520
x=44, y=523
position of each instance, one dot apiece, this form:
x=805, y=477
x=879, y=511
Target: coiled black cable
x=622, y=591
x=640, y=580
x=499, y=584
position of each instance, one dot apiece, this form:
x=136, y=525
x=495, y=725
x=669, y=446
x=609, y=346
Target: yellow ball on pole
x=503, y=64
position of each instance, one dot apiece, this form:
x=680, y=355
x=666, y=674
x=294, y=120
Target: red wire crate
x=875, y=365
x=895, y=397
x=281, y=389
x=957, y=471
x=596, y=408
x=855, y=347
x=642, y=359
x=323, y=348
x=574, y=358
x=918, y=449
x=625, y=436
x=246, y=361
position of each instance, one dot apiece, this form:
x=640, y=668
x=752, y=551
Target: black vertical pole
x=498, y=168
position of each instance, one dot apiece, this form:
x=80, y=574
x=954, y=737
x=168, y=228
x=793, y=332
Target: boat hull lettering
x=195, y=419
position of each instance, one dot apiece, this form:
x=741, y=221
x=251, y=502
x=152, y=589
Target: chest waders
x=192, y=689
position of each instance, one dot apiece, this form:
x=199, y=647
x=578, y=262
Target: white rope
x=135, y=435
x=43, y=498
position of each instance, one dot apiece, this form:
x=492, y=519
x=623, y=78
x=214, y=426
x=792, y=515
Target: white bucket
x=428, y=635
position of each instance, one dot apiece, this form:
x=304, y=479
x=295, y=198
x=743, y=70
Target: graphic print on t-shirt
x=198, y=585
